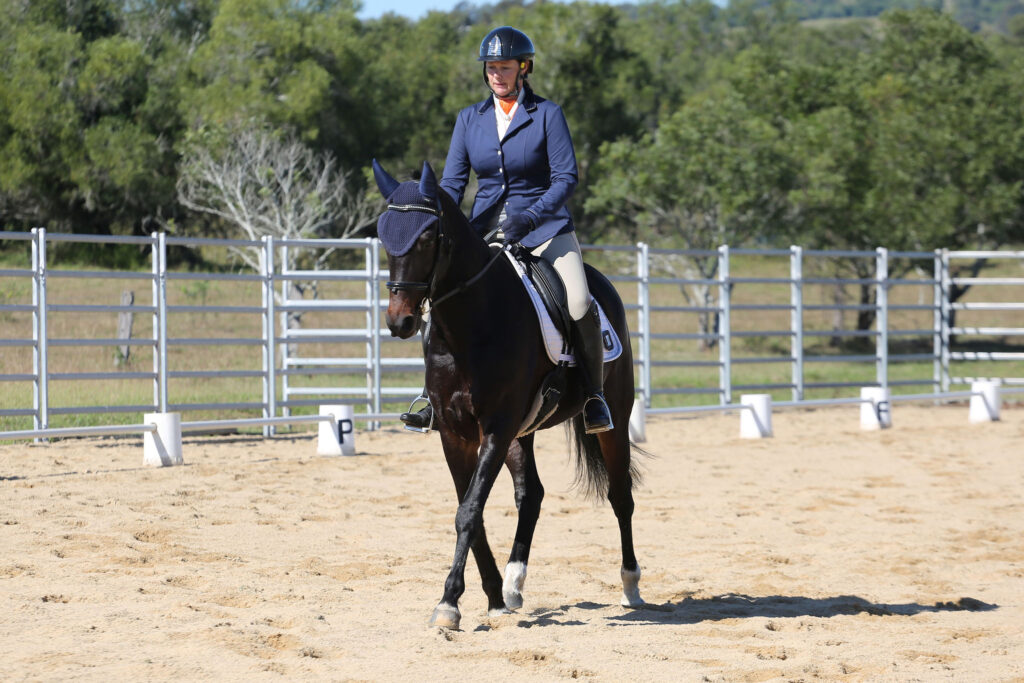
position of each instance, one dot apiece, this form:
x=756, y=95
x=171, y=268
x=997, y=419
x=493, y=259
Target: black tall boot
x=423, y=419
x=590, y=360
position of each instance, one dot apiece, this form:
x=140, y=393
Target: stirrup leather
x=421, y=430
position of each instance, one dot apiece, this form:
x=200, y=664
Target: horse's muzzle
x=403, y=320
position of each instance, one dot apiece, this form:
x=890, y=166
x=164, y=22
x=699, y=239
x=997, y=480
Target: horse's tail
x=591, y=472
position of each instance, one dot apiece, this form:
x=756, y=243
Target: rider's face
x=501, y=76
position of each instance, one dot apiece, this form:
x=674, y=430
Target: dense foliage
x=694, y=124
x=974, y=14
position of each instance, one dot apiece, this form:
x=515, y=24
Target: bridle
x=395, y=286
x=442, y=251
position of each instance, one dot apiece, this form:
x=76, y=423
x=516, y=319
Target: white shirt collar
x=505, y=120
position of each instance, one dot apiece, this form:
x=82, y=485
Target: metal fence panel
x=693, y=313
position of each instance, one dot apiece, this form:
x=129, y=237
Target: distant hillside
x=976, y=15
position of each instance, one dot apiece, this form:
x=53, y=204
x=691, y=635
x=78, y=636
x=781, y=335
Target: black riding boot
x=423, y=419
x=590, y=360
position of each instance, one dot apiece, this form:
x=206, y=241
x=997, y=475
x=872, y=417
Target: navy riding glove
x=517, y=227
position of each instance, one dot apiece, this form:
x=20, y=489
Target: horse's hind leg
x=529, y=494
x=615, y=450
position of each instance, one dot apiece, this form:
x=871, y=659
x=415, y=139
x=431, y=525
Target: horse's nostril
x=402, y=326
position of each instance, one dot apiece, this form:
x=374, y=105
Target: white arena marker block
x=756, y=421
x=637, y=429
x=336, y=436
x=986, y=402
x=876, y=409
x=162, y=448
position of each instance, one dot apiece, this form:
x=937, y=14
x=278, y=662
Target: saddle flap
x=549, y=285
x=553, y=335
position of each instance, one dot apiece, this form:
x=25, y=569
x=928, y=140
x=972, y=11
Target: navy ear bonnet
x=398, y=230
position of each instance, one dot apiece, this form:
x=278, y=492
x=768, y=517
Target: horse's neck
x=462, y=318
x=469, y=255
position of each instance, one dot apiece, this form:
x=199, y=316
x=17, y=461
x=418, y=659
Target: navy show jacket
x=532, y=169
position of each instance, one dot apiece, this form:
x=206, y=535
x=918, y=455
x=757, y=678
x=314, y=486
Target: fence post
x=374, y=327
x=946, y=308
x=40, y=393
x=286, y=348
x=724, y=326
x=882, y=316
x=937, y=344
x=154, y=285
x=643, y=271
x=796, y=288
x=269, y=338
x=161, y=320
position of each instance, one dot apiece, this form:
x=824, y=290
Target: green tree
x=84, y=149
x=288, y=64
x=714, y=173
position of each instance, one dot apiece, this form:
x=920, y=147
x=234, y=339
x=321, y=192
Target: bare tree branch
x=264, y=185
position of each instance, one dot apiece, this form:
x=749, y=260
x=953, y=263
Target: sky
x=413, y=9
x=416, y=9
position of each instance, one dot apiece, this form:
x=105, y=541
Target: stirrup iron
x=605, y=422
x=429, y=427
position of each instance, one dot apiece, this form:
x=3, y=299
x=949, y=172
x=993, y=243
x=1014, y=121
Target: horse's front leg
x=469, y=529
x=529, y=493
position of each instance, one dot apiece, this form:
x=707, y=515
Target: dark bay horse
x=484, y=366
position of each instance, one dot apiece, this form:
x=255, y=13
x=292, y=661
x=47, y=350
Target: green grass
x=122, y=392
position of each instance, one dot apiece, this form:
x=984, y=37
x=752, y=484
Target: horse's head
x=410, y=231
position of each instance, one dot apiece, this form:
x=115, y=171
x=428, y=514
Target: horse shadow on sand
x=735, y=606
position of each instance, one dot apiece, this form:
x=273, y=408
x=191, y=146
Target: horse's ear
x=428, y=182
x=385, y=183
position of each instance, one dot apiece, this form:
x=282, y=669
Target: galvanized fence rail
x=677, y=300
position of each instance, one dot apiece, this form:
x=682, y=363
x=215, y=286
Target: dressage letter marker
x=756, y=416
x=637, y=427
x=162, y=447
x=985, y=402
x=337, y=435
x=875, y=409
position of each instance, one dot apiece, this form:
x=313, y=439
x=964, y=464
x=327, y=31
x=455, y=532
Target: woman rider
x=519, y=146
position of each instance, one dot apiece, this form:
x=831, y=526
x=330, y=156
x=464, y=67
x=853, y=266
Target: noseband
x=444, y=245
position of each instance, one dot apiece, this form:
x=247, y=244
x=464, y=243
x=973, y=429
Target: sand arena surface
x=824, y=553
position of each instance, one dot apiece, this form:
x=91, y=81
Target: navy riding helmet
x=506, y=42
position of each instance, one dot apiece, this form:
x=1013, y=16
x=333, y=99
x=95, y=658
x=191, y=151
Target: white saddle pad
x=552, y=337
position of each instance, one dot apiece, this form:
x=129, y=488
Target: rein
x=429, y=302
x=468, y=283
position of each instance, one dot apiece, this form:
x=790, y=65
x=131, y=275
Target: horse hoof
x=512, y=600
x=512, y=588
x=446, y=616
x=631, y=588
x=632, y=600
x=498, y=612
